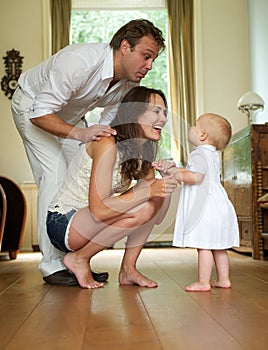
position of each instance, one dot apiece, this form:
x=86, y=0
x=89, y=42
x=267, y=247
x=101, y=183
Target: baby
x=206, y=218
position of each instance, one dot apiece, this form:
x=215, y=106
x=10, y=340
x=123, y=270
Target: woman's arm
x=105, y=206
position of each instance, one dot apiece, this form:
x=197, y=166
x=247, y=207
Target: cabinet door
x=242, y=178
x=260, y=188
x=237, y=182
x=237, y=175
x=228, y=171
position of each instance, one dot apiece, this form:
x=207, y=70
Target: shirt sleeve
x=65, y=76
x=197, y=162
x=108, y=114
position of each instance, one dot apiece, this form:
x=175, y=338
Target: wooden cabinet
x=245, y=178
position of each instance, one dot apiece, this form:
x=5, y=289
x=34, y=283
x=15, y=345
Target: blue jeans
x=56, y=228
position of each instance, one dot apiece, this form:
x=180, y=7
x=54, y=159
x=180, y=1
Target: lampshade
x=250, y=104
x=250, y=101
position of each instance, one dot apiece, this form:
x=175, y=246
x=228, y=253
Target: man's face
x=138, y=60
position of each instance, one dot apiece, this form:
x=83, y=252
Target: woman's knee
x=148, y=212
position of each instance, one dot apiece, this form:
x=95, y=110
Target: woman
x=98, y=204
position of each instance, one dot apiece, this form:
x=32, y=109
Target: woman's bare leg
x=90, y=243
x=129, y=274
x=222, y=268
x=88, y=237
x=78, y=263
x=205, y=264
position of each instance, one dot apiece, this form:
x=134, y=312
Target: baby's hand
x=164, y=167
x=167, y=168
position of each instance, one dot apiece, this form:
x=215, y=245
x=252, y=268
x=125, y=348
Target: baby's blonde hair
x=218, y=128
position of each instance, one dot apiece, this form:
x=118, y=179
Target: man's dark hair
x=134, y=30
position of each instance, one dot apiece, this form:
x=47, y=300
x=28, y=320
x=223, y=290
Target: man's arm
x=56, y=126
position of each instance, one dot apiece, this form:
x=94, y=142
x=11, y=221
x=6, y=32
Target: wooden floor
x=37, y=316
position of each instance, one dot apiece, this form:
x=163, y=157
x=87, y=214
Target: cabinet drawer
x=242, y=200
x=245, y=229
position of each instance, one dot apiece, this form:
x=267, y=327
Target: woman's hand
x=162, y=187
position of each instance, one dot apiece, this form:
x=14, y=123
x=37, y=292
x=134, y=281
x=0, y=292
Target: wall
x=20, y=29
x=258, y=33
x=223, y=57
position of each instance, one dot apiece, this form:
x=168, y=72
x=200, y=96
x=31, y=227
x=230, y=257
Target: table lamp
x=250, y=104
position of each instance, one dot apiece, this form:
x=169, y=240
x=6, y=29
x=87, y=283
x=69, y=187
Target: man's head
x=134, y=30
x=136, y=45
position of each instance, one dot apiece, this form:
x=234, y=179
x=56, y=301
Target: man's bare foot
x=198, y=287
x=222, y=284
x=81, y=270
x=133, y=276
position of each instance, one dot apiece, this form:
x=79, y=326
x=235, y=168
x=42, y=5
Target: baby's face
x=195, y=133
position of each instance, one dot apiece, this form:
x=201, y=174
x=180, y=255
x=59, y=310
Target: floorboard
x=35, y=315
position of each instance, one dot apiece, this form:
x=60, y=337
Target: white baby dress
x=206, y=218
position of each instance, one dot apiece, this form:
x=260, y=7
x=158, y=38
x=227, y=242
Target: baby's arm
x=182, y=175
x=188, y=177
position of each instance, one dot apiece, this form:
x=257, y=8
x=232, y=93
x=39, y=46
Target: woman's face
x=154, y=118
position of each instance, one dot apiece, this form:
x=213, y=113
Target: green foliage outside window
x=96, y=26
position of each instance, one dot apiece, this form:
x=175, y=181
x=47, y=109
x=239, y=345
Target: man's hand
x=96, y=132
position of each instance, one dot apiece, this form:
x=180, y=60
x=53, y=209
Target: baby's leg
x=205, y=264
x=222, y=268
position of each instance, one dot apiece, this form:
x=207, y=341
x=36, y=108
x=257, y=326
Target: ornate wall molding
x=13, y=68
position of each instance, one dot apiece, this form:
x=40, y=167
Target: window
x=97, y=21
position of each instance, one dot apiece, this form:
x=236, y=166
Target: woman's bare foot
x=132, y=276
x=198, y=287
x=222, y=284
x=81, y=270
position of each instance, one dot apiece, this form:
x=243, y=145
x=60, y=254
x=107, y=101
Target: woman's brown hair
x=135, y=156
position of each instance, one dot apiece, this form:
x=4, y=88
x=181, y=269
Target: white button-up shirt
x=74, y=81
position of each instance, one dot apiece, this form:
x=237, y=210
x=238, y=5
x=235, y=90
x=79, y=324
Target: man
x=53, y=97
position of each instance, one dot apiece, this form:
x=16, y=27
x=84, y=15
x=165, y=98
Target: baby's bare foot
x=132, y=276
x=222, y=284
x=198, y=287
x=81, y=270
